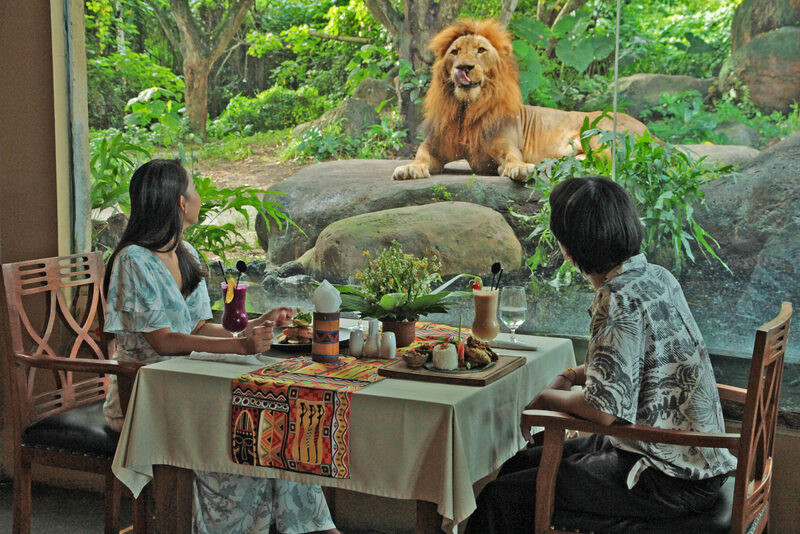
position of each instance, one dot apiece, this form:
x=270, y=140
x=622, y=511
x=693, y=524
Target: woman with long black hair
x=158, y=307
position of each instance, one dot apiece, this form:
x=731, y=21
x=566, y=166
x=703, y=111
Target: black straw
x=499, y=276
x=221, y=269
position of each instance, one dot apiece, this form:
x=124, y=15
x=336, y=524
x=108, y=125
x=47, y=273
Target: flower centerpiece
x=395, y=288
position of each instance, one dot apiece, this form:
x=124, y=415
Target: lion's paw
x=412, y=171
x=519, y=172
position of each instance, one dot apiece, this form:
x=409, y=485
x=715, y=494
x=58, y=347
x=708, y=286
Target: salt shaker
x=356, y=342
x=388, y=346
x=372, y=346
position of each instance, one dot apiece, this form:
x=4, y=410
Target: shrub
x=273, y=109
x=663, y=182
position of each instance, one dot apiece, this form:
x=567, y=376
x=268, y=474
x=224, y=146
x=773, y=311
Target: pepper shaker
x=388, y=346
x=372, y=346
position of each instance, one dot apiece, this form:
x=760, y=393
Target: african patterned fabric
x=647, y=364
x=433, y=333
x=295, y=414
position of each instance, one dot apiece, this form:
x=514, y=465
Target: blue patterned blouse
x=143, y=297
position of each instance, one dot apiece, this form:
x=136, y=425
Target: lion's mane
x=499, y=101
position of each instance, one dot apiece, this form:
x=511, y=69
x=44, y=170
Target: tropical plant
x=664, y=182
x=396, y=286
x=113, y=160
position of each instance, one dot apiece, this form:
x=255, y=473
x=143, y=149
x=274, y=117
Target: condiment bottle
x=356, y=342
x=372, y=346
x=388, y=346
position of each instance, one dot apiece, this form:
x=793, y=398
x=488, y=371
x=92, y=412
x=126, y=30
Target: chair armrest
x=126, y=368
x=731, y=393
x=550, y=419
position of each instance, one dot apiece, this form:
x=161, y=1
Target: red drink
x=234, y=318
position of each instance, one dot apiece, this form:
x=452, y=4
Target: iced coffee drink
x=485, y=325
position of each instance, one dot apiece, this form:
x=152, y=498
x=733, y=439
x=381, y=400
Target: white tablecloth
x=408, y=439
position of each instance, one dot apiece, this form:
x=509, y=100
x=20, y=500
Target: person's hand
x=259, y=340
x=538, y=403
x=280, y=316
x=561, y=382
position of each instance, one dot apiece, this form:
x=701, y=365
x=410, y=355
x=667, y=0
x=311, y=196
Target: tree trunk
x=195, y=72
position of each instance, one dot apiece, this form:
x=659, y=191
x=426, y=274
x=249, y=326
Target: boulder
x=754, y=17
x=642, y=91
x=375, y=92
x=753, y=215
x=106, y=234
x=354, y=115
x=737, y=133
x=465, y=237
x=321, y=194
x=721, y=154
x=769, y=65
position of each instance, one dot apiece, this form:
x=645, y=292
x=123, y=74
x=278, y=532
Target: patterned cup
x=325, y=343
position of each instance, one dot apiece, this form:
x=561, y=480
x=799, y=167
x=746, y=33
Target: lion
x=474, y=110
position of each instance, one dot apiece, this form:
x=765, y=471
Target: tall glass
x=513, y=308
x=234, y=316
x=485, y=326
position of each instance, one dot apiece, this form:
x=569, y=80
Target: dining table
x=415, y=440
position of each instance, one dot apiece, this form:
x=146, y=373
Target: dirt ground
x=261, y=169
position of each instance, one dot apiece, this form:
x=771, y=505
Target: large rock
x=354, y=115
x=753, y=215
x=642, y=91
x=465, y=237
x=769, y=65
x=721, y=154
x=375, y=92
x=754, y=17
x=321, y=194
x=738, y=133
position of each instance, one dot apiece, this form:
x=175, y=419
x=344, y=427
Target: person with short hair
x=158, y=307
x=647, y=364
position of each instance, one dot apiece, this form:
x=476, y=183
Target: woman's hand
x=259, y=340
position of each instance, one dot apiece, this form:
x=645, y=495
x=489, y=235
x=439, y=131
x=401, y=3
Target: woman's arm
x=168, y=343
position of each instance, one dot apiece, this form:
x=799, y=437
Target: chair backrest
x=754, y=471
x=55, y=310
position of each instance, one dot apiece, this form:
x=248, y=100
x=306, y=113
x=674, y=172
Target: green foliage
x=664, y=183
x=113, y=160
x=396, y=286
x=234, y=147
x=416, y=82
x=379, y=141
x=273, y=109
x=210, y=236
x=440, y=193
x=685, y=118
x=155, y=115
x=115, y=78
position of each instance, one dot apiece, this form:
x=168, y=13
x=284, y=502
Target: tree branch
x=227, y=27
x=506, y=11
x=163, y=21
x=386, y=15
x=191, y=36
x=343, y=38
x=569, y=7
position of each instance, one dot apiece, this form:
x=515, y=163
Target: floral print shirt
x=647, y=364
x=143, y=297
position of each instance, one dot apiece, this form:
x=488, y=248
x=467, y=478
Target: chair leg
x=22, y=495
x=141, y=512
x=113, y=495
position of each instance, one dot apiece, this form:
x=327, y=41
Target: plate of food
x=471, y=356
x=297, y=336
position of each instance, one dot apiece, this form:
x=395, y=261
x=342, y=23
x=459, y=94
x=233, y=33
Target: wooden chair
x=743, y=505
x=55, y=317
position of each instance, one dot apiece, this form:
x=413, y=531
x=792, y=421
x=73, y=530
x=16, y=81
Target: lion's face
x=470, y=61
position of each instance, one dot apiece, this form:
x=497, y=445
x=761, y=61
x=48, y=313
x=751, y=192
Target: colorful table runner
x=433, y=333
x=295, y=414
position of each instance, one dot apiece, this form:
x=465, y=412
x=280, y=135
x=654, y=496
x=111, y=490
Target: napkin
x=518, y=345
x=326, y=298
x=244, y=359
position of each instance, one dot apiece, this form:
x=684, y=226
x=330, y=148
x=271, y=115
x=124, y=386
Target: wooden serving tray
x=503, y=366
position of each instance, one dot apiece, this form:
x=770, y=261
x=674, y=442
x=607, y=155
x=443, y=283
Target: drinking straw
x=221, y=269
x=498, y=279
x=495, y=269
x=458, y=339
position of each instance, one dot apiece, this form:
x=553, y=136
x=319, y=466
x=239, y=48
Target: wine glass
x=513, y=308
x=234, y=316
